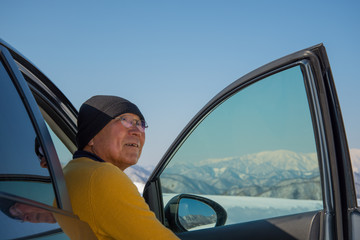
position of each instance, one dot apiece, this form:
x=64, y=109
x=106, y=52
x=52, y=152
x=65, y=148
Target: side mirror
x=186, y=212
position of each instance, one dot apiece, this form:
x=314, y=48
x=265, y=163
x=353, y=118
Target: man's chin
x=127, y=163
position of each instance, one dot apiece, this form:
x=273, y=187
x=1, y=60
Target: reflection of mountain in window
x=277, y=174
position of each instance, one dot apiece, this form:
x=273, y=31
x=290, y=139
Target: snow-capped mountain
x=239, y=175
x=355, y=159
x=279, y=173
x=139, y=175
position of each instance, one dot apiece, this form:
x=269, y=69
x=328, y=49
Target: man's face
x=31, y=214
x=117, y=144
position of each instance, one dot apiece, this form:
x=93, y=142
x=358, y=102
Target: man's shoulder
x=85, y=163
x=87, y=168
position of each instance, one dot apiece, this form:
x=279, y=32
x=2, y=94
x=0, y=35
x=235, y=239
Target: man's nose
x=134, y=130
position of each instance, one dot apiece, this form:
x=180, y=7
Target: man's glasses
x=128, y=122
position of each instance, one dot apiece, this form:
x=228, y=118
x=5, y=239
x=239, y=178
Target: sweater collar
x=81, y=153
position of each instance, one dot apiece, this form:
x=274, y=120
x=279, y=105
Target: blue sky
x=269, y=115
x=172, y=57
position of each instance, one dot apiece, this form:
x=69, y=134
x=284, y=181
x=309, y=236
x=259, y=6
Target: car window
x=27, y=196
x=63, y=152
x=63, y=145
x=21, y=172
x=255, y=154
x=59, y=120
x=23, y=220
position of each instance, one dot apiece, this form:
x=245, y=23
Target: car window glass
x=26, y=221
x=26, y=190
x=24, y=172
x=255, y=154
x=22, y=220
x=21, y=172
x=63, y=152
x=63, y=145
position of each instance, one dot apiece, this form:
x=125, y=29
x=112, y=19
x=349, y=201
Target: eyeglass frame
x=142, y=126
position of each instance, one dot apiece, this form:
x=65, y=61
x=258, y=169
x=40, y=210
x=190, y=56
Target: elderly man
x=111, y=134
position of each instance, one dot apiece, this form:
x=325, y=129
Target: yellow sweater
x=104, y=197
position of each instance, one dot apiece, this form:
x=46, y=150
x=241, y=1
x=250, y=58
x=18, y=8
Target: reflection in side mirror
x=193, y=214
x=187, y=212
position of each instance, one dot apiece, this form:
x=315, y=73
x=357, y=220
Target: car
x=266, y=158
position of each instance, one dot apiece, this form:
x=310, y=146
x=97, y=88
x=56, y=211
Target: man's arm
x=120, y=211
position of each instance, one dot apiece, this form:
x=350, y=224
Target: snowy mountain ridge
x=355, y=159
x=139, y=175
x=284, y=160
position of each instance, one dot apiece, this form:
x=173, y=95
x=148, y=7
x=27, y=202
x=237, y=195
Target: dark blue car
x=266, y=158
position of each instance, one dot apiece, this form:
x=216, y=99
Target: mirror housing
x=186, y=212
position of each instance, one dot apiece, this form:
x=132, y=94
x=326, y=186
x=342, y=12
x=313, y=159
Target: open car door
x=267, y=158
x=34, y=203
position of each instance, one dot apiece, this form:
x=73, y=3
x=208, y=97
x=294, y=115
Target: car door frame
x=340, y=207
x=39, y=125
x=35, y=90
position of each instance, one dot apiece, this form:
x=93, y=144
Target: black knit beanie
x=98, y=111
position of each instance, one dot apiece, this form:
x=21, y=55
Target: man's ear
x=88, y=147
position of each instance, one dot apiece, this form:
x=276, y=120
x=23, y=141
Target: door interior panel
x=299, y=226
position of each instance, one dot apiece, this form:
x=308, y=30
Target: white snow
x=355, y=159
x=243, y=209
